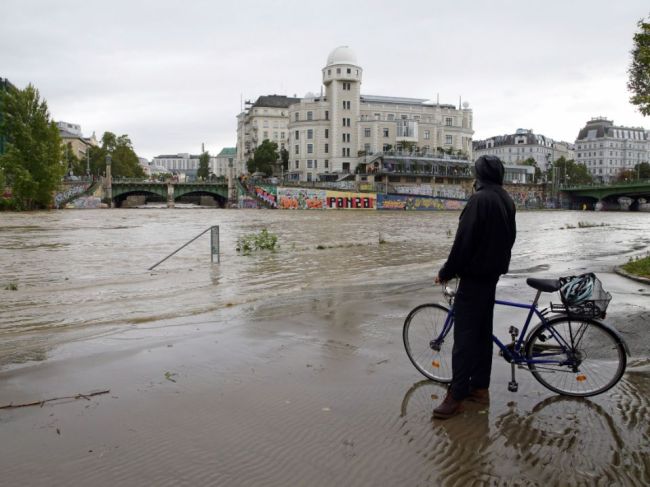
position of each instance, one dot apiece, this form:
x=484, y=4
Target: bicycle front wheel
x=428, y=343
x=575, y=357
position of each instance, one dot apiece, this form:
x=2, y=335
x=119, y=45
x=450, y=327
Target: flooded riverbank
x=287, y=368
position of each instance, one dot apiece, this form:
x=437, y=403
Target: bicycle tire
x=593, y=363
x=424, y=323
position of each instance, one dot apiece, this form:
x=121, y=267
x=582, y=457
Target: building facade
x=607, y=149
x=330, y=134
x=182, y=163
x=524, y=144
x=266, y=118
x=73, y=139
x=225, y=161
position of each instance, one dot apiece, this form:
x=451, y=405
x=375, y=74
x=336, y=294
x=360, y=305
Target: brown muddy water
x=328, y=396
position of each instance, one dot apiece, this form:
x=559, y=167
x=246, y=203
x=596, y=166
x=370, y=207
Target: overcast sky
x=171, y=74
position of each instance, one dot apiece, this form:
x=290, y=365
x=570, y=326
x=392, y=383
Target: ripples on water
x=86, y=271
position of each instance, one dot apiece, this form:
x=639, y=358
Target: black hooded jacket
x=486, y=229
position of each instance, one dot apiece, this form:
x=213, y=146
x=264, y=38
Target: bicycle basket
x=582, y=296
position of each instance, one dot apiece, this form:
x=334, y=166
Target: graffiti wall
x=417, y=203
x=423, y=189
x=69, y=192
x=86, y=202
x=526, y=198
x=301, y=198
x=344, y=200
x=267, y=193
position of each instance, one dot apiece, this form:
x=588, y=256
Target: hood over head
x=489, y=169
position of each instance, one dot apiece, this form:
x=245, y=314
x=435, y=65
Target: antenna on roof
x=459, y=102
x=437, y=98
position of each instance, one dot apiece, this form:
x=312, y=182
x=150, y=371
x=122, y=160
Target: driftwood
x=42, y=403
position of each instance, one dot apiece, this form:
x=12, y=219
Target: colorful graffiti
x=301, y=199
x=343, y=200
x=527, y=199
x=267, y=194
x=418, y=203
x=86, y=203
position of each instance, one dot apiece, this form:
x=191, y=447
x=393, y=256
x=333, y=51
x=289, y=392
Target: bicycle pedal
x=513, y=386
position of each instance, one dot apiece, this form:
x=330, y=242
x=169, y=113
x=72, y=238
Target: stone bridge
x=624, y=195
x=130, y=192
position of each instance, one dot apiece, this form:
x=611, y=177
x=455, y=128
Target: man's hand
x=438, y=281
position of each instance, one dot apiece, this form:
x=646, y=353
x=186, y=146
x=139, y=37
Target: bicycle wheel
x=427, y=349
x=575, y=357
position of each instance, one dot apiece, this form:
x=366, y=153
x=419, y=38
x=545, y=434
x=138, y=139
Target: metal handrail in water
x=214, y=246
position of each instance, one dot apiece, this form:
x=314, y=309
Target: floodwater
x=81, y=273
x=287, y=368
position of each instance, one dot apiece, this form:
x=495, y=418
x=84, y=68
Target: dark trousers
x=471, y=359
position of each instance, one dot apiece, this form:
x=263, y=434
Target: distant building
x=267, y=118
x=522, y=145
x=330, y=134
x=71, y=134
x=607, y=149
x=226, y=159
x=181, y=163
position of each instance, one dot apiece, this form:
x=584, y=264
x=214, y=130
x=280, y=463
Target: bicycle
x=571, y=352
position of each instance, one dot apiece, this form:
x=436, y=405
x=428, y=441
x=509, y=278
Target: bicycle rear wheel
x=425, y=345
x=575, y=357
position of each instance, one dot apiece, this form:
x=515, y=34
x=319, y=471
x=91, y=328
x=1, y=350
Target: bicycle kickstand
x=513, y=386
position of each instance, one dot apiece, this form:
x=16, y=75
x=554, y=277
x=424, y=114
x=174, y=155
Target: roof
x=400, y=100
x=275, y=101
x=228, y=151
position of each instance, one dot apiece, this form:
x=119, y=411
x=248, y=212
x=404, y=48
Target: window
x=449, y=121
x=327, y=148
x=308, y=177
x=297, y=116
x=310, y=134
x=310, y=148
x=366, y=132
x=275, y=135
x=297, y=136
x=297, y=164
x=309, y=164
x=366, y=147
x=327, y=163
x=343, y=136
x=327, y=133
x=282, y=135
x=427, y=135
x=449, y=139
x=327, y=115
x=386, y=134
x=329, y=72
x=266, y=134
x=338, y=70
x=297, y=149
x=266, y=123
x=349, y=71
x=390, y=116
x=377, y=116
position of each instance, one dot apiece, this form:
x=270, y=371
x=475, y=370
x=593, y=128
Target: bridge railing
x=635, y=182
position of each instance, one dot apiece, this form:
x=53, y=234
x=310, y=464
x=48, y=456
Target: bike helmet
x=578, y=289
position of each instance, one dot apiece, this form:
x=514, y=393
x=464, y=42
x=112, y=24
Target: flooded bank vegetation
x=264, y=240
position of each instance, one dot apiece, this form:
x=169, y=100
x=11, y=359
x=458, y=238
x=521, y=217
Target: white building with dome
x=331, y=133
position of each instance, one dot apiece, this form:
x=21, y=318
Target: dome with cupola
x=342, y=55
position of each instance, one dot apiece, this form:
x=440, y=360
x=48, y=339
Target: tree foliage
x=203, y=171
x=568, y=172
x=264, y=158
x=639, y=71
x=124, y=161
x=32, y=163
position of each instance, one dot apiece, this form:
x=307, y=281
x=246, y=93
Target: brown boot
x=448, y=407
x=480, y=396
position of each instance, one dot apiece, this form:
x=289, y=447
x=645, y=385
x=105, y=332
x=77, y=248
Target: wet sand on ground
x=250, y=396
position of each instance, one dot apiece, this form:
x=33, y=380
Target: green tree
x=642, y=170
x=568, y=172
x=639, y=71
x=203, y=171
x=32, y=161
x=72, y=163
x=265, y=156
x=284, y=156
x=125, y=163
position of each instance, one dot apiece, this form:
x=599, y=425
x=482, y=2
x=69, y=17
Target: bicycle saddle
x=545, y=285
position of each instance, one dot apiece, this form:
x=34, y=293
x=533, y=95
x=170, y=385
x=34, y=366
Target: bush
x=253, y=242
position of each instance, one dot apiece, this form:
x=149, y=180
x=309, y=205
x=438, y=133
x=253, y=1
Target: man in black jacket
x=480, y=254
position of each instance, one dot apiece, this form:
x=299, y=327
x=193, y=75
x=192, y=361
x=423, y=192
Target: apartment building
x=607, y=149
x=522, y=145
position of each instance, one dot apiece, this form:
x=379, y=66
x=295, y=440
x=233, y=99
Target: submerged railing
x=214, y=245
